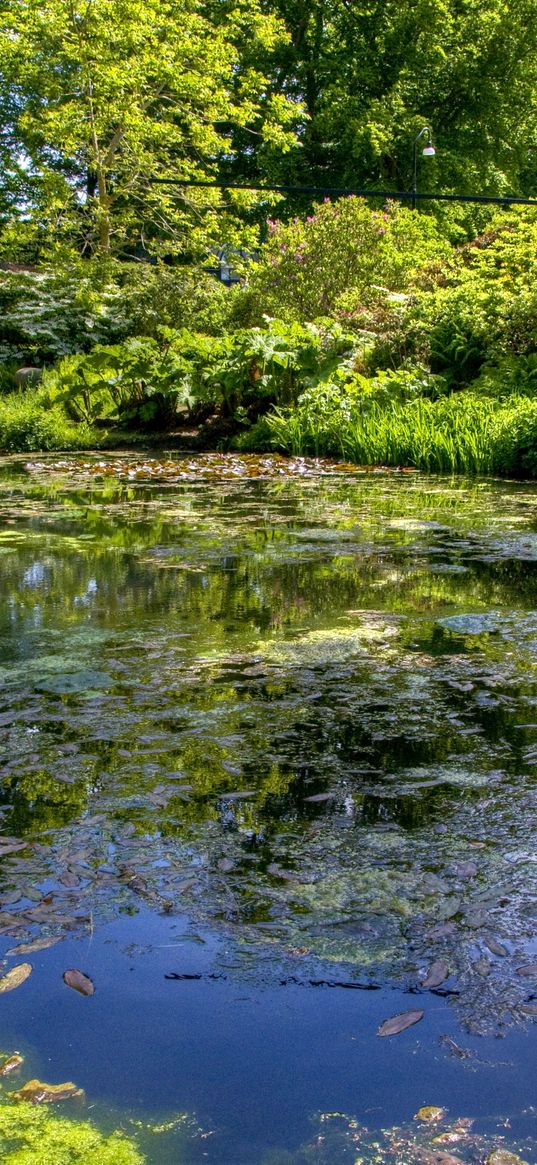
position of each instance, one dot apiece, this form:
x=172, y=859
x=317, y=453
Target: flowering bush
x=308, y=264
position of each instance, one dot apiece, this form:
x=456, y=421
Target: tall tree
x=372, y=73
x=104, y=96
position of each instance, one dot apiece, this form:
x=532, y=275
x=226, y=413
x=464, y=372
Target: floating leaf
x=445, y=930
x=436, y=1157
x=35, y=1092
x=430, y=1112
x=460, y=1053
x=11, y=1063
x=504, y=1157
x=75, y=682
x=37, y=944
x=79, y=981
x=134, y=880
x=466, y=870
x=484, y=624
x=496, y=948
x=277, y=871
x=528, y=1008
x=9, y=846
x=399, y=1023
x=15, y=977
x=438, y=971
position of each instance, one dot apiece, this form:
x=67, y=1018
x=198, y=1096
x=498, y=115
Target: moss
x=34, y=1136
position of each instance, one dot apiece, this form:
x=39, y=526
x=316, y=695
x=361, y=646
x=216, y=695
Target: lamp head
x=429, y=150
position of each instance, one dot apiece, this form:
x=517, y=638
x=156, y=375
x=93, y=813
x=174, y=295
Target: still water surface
x=269, y=739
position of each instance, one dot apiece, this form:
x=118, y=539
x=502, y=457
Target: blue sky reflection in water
x=278, y=733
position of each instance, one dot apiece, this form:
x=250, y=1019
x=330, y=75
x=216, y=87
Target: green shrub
x=46, y=314
x=55, y=312
x=451, y=328
x=510, y=375
x=484, y=308
x=7, y=375
x=379, y=320
x=139, y=382
x=307, y=265
x=29, y=422
x=155, y=295
x=515, y=437
x=258, y=367
x=146, y=381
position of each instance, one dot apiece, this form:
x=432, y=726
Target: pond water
x=268, y=737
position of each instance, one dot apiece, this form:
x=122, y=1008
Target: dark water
x=270, y=745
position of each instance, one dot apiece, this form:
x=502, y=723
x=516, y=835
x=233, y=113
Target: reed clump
x=461, y=433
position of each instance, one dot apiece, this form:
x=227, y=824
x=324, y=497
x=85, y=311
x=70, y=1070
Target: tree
x=371, y=74
x=104, y=96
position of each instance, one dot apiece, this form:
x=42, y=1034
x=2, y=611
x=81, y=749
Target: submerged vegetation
x=355, y=638
x=278, y=718
x=32, y=1135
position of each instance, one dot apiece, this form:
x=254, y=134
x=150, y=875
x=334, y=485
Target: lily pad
x=477, y=624
x=79, y=981
x=430, y=1113
x=437, y=973
x=504, y=1157
x=71, y=683
x=399, y=1023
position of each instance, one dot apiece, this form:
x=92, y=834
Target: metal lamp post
x=428, y=152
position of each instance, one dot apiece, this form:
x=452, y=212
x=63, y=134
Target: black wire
x=343, y=191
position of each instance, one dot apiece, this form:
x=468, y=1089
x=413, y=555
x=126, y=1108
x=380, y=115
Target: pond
x=268, y=737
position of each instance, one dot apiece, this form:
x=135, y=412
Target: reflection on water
x=299, y=710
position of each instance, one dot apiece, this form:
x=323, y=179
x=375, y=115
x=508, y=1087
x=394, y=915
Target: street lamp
x=428, y=152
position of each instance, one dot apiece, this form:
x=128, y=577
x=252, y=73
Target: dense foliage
x=373, y=74
x=352, y=328
x=103, y=104
x=366, y=334
x=102, y=99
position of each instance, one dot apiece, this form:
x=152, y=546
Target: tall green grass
x=28, y=421
x=461, y=433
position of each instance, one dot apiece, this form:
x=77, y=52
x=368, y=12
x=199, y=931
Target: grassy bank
x=458, y=434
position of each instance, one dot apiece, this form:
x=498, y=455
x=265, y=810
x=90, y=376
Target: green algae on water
x=30, y=1135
